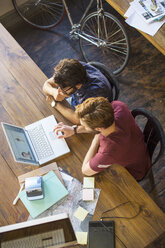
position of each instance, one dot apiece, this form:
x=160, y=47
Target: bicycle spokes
x=107, y=41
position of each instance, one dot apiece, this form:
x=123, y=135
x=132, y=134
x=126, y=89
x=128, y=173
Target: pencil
x=17, y=197
x=154, y=3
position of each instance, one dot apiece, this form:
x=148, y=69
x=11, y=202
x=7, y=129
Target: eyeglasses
x=66, y=91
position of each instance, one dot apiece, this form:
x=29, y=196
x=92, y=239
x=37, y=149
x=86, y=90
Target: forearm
x=92, y=151
x=65, y=109
x=86, y=170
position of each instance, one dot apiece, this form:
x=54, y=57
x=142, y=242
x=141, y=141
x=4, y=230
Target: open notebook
x=53, y=231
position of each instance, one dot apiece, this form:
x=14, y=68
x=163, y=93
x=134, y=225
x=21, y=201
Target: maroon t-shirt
x=125, y=146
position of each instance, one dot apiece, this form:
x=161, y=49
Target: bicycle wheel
x=43, y=14
x=105, y=41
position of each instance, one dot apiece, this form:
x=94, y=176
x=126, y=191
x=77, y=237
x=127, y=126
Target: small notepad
x=54, y=191
x=88, y=194
x=81, y=238
x=81, y=213
x=88, y=182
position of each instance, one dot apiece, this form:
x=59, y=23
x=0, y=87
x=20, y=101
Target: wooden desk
x=22, y=102
x=158, y=40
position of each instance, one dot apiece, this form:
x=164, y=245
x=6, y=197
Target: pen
x=17, y=197
x=159, y=18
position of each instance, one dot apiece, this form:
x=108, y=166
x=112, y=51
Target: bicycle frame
x=69, y=16
x=75, y=32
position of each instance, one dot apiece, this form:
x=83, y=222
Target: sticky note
x=89, y=182
x=81, y=238
x=81, y=213
x=88, y=194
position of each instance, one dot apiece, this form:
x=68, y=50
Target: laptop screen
x=19, y=144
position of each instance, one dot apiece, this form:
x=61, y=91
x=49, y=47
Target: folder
x=54, y=191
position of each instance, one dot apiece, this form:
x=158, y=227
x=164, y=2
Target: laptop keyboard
x=40, y=142
x=44, y=240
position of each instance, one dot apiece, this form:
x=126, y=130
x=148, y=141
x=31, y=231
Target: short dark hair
x=96, y=112
x=69, y=72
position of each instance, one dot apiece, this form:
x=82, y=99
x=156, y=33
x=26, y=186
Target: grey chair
x=111, y=78
x=153, y=136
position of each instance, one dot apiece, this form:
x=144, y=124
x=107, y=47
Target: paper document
x=54, y=191
x=139, y=21
x=149, y=11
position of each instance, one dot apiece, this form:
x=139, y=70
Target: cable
x=120, y=217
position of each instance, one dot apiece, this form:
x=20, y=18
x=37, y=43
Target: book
x=54, y=192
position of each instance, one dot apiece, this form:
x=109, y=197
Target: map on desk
x=72, y=203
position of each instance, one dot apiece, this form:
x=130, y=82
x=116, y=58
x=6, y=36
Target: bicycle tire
x=42, y=14
x=115, y=49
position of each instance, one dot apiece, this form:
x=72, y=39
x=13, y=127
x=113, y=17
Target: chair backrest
x=111, y=78
x=153, y=133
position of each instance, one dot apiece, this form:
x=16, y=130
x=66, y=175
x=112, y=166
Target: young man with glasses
x=75, y=81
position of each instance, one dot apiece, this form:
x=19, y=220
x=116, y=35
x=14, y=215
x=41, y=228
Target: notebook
x=53, y=231
x=101, y=234
x=36, y=143
x=54, y=192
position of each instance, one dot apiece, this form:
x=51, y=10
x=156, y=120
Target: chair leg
x=152, y=180
x=153, y=190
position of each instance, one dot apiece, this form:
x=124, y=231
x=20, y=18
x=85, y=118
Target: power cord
x=120, y=217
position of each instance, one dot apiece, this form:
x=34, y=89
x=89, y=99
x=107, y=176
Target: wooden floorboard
x=142, y=82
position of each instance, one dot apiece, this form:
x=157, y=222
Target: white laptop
x=36, y=143
x=49, y=232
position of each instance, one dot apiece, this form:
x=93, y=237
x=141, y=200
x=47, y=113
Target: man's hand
x=58, y=94
x=66, y=131
x=49, y=99
x=50, y=89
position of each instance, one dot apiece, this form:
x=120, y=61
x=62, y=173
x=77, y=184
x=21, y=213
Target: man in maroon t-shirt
x=119, y=141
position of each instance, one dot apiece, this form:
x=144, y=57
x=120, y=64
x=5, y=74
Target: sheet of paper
x=88, y=194
x=150, y=28
x=81, y=213
x=88, y=182
x=135, y=20
x=82, y=238
x=144, y=8
x=129, y=12
x=54, y=191
x=66, y=177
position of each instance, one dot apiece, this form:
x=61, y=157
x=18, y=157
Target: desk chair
x=111, y=78
x=153, y=135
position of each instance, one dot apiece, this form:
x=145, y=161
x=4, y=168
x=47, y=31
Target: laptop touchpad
x=52, y=135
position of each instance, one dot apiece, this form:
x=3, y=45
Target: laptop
x=36, y=143
x=52, y=231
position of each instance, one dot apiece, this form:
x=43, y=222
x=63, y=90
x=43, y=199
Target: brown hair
x=96, y=112
x=69, y=72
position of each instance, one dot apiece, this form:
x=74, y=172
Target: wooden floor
x=142, y=83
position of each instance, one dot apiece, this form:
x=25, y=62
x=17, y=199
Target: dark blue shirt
x=97, y=85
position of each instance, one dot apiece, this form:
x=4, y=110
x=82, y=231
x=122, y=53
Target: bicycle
x=101, y=35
